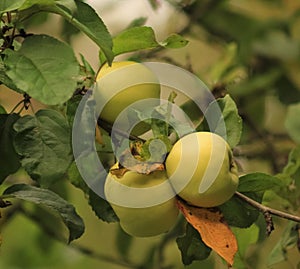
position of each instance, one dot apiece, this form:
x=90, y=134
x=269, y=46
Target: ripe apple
x=122, y=84
x=138, y=215
x=201, y=169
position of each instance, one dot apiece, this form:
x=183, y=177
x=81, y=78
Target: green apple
x=202, y=170
x=122, y=84
x=139, y=213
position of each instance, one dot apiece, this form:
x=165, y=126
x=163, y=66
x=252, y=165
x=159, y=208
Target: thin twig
x=103, y=257
x=108, y=128
x=267, y=210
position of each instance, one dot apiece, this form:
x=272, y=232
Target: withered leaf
x=136, y=164
x=213, y=229
x=98, y=135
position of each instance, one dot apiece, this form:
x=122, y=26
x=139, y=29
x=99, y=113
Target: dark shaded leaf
x=9, y=159
x=238, y=213
x=123, y=243
x=102, y=208
x=52, y=201
x=43, y=142
x=191, y=246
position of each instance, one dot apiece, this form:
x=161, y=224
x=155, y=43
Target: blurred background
x=249, y=49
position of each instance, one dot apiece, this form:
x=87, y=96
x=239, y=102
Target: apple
x=142, y=214
x=122, y=84
x=202, y=170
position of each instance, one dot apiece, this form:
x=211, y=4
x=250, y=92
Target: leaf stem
x=267, y=210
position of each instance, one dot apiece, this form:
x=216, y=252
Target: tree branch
x=268, y=211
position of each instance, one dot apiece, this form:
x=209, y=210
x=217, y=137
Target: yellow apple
x=142, y=214
x=201, y=169
x=122, y=84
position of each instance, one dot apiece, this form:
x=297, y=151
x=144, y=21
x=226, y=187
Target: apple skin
x=131, y=82
x=142, y=221
x=195, y=158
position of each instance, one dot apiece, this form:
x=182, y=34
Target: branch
x=267, y=211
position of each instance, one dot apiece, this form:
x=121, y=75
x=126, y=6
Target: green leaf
x=123, y=243
x=69, y=4
x=102, y=208
x=43, y=142
x=224, y=64
x=87, y=20
x=288, y=240
x=290, y=189
x=258, y=182
x=135, y=38
x=141, y=38
x=2, y=110
x=233, y=122
x=9, y=159
x=52, y=201
x=72, y=105
x=76, y=179
x=174, y=41
x=4, y=79
x=9, y=5
x=238, y=213
x=292, y=122
x=277, y=45
x=48, y=77
x=245, y=238
x=293, y=164
x=257, y=84
x=191, y=246
x=49, y=221
x=137, y=22
x=193, y=112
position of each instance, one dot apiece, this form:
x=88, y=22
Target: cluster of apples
x=199, y=168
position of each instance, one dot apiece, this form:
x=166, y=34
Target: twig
x=108, y=128
x=103, y=257
x=268, y=211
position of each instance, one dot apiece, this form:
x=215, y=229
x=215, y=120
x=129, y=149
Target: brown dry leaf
x=98, y=135
x=142, y=167
x=212, y=228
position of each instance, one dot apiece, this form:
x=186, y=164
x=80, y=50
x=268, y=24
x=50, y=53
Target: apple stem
x=268, y=212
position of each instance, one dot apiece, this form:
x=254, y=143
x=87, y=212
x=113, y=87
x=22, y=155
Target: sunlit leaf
x=48, y=77
x=9, y=5
x=258, y=182
x=174, y=41
x=87, y=20
x=229, y=116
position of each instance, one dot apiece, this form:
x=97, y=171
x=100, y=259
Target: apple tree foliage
x=260, y=58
